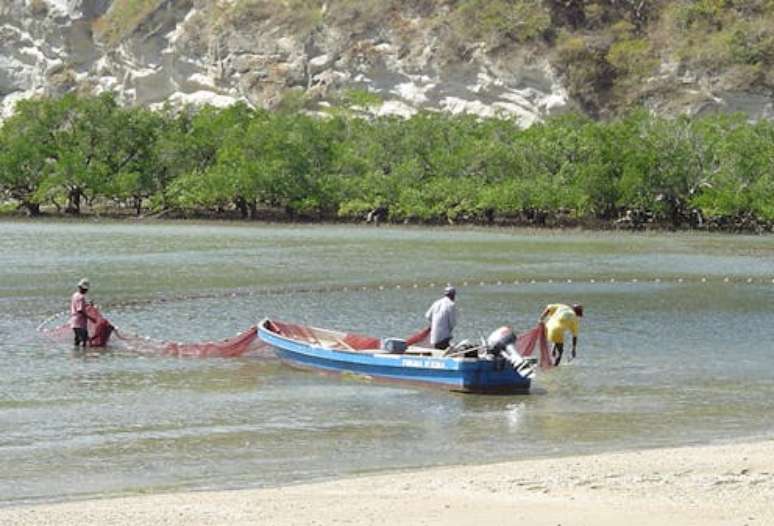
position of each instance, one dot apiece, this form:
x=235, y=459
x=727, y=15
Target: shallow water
x=676, y=350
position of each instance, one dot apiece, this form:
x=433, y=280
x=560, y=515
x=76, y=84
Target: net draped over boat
x=100, y=330
x=349, y=341
x=420, y=338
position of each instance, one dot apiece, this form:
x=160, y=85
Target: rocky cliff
x=527, y=59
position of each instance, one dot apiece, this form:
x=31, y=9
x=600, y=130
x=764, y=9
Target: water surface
x=675, y=349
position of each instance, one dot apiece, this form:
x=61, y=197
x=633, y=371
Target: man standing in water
x=78, y=317
x=560, y=319
x=443, y=317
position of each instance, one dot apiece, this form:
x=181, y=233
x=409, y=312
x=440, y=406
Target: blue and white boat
x=467, y=370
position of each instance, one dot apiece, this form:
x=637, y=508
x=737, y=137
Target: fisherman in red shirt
x=78, y=317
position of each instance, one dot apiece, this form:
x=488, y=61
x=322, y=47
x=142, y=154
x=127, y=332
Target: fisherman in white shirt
x=443, y=317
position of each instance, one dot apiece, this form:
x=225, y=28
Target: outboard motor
x=502, y=342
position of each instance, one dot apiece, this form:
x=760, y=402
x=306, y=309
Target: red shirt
x=77, y=314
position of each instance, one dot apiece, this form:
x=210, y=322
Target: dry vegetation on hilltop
x=610, y=53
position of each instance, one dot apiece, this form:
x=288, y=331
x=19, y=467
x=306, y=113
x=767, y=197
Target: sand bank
x=711, y=485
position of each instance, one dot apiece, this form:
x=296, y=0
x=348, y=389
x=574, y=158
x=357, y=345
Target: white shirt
x=443, y=317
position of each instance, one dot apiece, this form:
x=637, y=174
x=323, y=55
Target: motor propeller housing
x=502, y=342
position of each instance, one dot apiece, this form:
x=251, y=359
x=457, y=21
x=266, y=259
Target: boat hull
x=452, y=374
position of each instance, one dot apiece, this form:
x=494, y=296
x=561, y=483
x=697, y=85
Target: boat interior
x=349, y=342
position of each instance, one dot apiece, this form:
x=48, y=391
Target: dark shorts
x=443, y=344
x=81, y=336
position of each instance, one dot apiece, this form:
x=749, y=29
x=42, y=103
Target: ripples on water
x=659, y=363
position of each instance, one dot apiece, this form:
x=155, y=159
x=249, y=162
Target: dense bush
x=610, y=52
x=498, y=22
x=73, y=152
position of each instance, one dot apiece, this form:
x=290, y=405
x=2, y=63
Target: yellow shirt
x=561, y=318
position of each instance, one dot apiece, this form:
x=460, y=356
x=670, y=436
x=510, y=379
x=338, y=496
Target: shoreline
x=728, y=484
x=591, y=226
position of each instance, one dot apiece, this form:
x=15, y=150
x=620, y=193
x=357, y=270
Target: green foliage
x=608, y=51
x=752, y=42
x=358, y=99
x=588, y=74
x=293, y=101
x=432, y=167
x=25, y=150
x=84, y=150
x=28, y=150
x=123, y=18
x=501, y=21
x=359, y=16
x=715, y=34
x=706, y=14
x=630, y=57
x=301, y=16
x=132, y=162
x=742, y=181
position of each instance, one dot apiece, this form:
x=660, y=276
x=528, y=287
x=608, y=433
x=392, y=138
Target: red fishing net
x=359, y=342
x=527, y=341
x=228, y=348
x=420, y=338
x=100, y=330
x=349, y=341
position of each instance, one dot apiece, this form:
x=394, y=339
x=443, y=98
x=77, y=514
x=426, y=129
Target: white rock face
x=201, y=98
x=68, y=8
x=25, y=63
x=170, y=59
x=394, y=107
x=413, y=93
x=175, y=56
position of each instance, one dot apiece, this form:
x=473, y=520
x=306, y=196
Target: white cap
x=449, y=290
x=83, y=284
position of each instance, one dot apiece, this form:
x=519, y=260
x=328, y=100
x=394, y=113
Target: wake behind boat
x=494, y=367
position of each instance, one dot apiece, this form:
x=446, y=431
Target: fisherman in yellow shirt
x=559, y=319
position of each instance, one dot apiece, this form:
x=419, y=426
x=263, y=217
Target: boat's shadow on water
x=534, y=391
x=539, y=391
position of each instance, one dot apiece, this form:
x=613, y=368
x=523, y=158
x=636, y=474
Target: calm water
x=661, y=362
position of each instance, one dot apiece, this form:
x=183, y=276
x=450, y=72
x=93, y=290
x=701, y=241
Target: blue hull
x=466, y=375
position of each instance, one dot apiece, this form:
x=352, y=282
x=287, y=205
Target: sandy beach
x=709, y=485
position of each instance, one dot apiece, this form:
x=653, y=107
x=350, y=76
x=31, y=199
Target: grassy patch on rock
x=123, y=18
